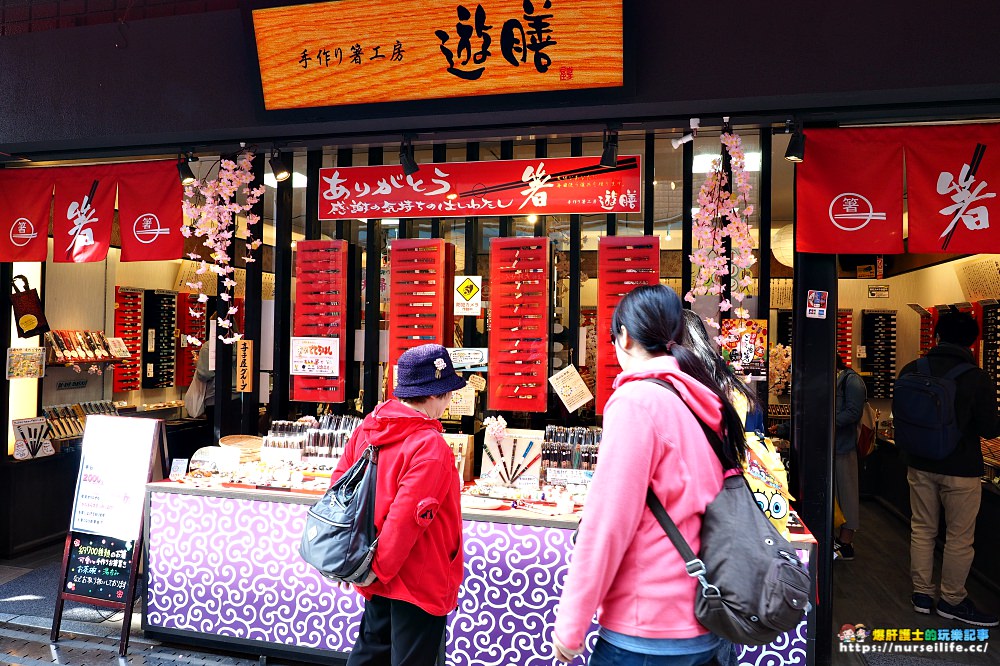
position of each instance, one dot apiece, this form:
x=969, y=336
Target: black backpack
x=753, y=587
x=923, y=411
x=340, y=536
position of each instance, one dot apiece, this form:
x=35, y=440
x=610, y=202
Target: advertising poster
x=746, y=345
x=317, y=357
x=571, y=388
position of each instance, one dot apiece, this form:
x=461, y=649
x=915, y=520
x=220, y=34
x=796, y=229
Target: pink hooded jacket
x=624, y=565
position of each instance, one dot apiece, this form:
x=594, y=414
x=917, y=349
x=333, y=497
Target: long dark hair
x=653, y=317
x=696, y=339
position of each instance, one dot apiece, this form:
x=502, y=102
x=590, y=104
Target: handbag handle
x=13, y=284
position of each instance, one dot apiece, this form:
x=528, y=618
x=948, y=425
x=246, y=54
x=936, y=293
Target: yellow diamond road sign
x=468, y=289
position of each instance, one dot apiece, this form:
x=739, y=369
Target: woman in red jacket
x=417, y=568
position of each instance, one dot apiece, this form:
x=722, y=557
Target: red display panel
x=128, y=326
x=420, y=311
x=624, y=263
x=320, y=312
x=519, y=314
x=193, y=325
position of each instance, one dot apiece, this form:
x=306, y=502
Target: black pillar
x=252, y=305
x=373, y=316
x=314, y=161
x=345, y=158
x=283, y=270
x=575, y=250
x=506, y=221
x=439, y=152
x=649, y=192
x=813, y=417
x=687, y=219
x=764, y=258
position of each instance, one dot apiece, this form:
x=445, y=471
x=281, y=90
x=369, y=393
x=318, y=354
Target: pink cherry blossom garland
x=723, y=214
x=212, y=207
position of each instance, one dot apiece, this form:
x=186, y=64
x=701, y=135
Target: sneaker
x=966, y=612
x=842, y=551
x=922, y=603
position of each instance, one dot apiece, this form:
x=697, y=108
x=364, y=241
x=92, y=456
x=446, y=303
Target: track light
x=609, y=157
x=184, y=170
x=796, y=151
x=687, y=137
x=278, y=168
x=406, y=159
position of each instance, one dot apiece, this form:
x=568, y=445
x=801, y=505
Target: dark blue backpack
x=923, y=411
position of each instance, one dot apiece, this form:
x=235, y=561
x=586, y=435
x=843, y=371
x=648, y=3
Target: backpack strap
x=692, y=563
x=959, y=370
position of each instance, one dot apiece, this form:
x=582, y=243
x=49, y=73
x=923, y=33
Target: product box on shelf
x=519, y=324
x=461, y=446
x=515, y=462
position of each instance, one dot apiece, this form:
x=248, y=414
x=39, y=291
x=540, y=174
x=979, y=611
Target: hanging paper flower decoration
x=212, y=207
x=724, y=213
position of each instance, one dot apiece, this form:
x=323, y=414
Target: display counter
x=223, y=570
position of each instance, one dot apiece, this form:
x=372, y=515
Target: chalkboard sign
x=101, y=557
x=99, y=567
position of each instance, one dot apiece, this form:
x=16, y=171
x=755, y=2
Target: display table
x=223, y=570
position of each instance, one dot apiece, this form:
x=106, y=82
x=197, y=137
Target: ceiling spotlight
x=184, y=170
x=796, y=150
x=609, y=157
x=278, y=168
x=406, y=158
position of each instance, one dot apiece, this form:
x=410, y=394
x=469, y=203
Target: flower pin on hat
x=439, y=365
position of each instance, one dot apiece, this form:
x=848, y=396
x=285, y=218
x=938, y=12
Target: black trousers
x=397, y=633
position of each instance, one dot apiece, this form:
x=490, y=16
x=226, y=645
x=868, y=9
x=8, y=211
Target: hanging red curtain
x=849, y=193
x=25, y=201
x=84, y=209
x=952, y=178
x=149, y=211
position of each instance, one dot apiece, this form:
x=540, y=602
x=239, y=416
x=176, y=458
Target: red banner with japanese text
x=25, y=202
x=952, y=179
x=849, y=193
x=83, y=214
x=545, y=186
x=149, y=211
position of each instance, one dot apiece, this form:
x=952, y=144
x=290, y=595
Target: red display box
x=623, y=263
x=519, y=314
x=422, y=274
x=320, y=312
x=127, y=375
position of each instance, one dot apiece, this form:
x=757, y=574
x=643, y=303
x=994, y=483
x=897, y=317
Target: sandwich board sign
x=101, y=556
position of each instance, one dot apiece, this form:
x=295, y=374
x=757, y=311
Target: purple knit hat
x=425, y=370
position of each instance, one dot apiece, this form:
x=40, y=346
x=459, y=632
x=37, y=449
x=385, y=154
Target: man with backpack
x=943, y=403
x=851, y=397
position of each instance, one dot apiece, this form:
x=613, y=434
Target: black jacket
x=975, y=408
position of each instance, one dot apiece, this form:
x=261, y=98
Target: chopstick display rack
x=845, y=335
x=320, y=312
x=519, y=336
x=159, y=317
x=623, y=263
x=193, y=325
x=422, y=311
x=127, y=375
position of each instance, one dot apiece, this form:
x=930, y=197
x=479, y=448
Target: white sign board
x=114, y=470
x=469, y=359
x=317, y=357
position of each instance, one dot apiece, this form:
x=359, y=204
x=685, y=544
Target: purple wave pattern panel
x=231, y=568
x=506, y=609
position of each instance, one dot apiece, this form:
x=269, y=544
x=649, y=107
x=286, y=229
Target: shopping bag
x=28, y=316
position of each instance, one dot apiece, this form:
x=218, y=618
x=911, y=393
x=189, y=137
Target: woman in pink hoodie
x=624, y=567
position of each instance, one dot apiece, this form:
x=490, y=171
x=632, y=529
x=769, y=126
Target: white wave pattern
x=230, y=567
